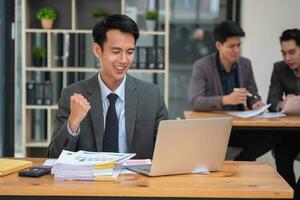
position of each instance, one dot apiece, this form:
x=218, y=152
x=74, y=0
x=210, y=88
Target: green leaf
x=46, y=13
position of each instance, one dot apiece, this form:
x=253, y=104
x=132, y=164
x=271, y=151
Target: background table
x=286, y=123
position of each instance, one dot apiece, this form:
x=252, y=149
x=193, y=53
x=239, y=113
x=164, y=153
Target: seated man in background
x=112, y=111
x=285, y=84
x=223, y=81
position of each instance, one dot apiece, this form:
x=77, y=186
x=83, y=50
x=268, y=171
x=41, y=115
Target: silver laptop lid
x=191, y=145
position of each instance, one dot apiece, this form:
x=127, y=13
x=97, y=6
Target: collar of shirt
x=296, y=74
x=105, y=91
x=220, y=66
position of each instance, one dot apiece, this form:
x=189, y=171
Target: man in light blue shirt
x=111, y=111
x=120, y=110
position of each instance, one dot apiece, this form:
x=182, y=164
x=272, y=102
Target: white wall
x=263, y=22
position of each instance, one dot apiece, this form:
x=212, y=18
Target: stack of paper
x=85, y=165
x=261, y=113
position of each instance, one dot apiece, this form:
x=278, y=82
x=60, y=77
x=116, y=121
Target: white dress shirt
x=120, y=110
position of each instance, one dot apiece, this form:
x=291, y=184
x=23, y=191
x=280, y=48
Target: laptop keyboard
x=145, y=168
x=140, y=168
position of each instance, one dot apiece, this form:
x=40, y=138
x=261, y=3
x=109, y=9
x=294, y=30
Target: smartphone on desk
x=35, y=171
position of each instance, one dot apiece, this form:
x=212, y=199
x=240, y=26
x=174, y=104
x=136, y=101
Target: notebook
x=188, y=146
x=8, y=166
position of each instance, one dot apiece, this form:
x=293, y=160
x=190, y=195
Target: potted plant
x=151, y=18
x=47, y=16
x=100, y=14
x=38, y=56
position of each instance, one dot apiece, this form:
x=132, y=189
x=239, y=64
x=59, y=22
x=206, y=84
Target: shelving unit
x=60, y=71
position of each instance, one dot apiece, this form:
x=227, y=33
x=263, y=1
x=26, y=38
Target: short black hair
x=291, y=34
x=119, y=22
x=227, y=29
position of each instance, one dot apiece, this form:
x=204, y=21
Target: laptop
x=188, y=146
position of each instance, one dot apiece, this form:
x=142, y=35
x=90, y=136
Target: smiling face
x=291, y=54
x=229, y=50
x=115, y=58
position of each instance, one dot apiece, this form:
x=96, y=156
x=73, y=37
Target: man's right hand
x=79, y=108
x=289, y=96
x=238, y=96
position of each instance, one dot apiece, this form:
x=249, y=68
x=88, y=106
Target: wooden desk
x=238, y=180
x=282, y=122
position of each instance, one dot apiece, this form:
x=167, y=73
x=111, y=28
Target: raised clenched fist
x=79, y=106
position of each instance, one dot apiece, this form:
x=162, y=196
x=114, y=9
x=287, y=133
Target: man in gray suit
x=285, y=84
x=215, y=78
x=224, y=81
x=112, y=111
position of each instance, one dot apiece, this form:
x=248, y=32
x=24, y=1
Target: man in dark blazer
x=83, y=120
x=285, y=84
x=224, y=81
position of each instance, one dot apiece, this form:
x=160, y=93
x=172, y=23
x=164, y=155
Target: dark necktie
x=111, y=133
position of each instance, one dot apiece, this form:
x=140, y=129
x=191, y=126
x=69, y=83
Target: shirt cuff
x=71, y=133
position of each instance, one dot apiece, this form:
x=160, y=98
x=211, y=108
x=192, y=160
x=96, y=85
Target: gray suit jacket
x=144, y=108
x=283, y=82
x=205, y=91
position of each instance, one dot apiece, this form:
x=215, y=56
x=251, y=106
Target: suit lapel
x=130, y=108
x=96, y=112
x=240, y=75
x=216, y=74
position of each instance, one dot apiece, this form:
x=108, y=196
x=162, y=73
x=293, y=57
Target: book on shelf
x=61, y=49
x=142, y=57
x=47, y=93
x=30, y=92
x=74, y=49
x=58, y=54
x=71, y=49
x=66, y=57
x=160, y=57
x=81, y=50
x=39, y=93
x=135, y=61
x=151, y=57
x=8, y=166
x=55, y=57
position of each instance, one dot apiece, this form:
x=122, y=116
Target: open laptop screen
x=189, y=146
